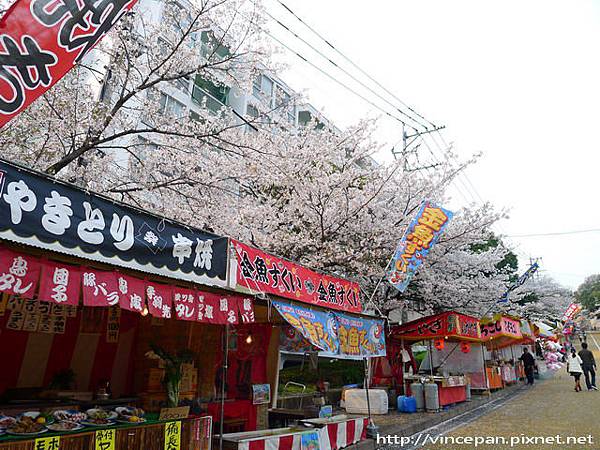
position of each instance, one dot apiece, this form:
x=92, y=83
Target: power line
x=331, y=77
x=316, y=50
x=557, y=233
x=470, y=188
x=353, y=64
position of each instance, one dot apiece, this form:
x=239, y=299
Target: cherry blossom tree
x=311, y=194
x=539, y=298
x=110, y=103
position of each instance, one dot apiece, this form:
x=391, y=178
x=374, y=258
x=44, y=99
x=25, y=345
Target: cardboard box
x=155, y=377
x=189, y=381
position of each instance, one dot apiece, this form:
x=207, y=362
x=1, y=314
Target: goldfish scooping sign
x=415, y=245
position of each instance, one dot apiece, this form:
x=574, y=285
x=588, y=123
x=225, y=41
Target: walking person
x=574, y=364
x=529, y=365
x=589, y=367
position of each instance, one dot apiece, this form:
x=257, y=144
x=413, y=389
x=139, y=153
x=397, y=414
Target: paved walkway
x=551, y=408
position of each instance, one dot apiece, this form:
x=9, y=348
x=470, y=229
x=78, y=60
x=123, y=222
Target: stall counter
x=195, y=435
x=330, y=434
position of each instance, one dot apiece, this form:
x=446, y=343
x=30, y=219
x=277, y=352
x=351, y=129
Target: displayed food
x=131, y=419
x=97, y=422
x=70, y=415
x=98, y=413
x=65, y=425
x=26, y=425
x=37, y=416
x=129, y=414
x=6, y=421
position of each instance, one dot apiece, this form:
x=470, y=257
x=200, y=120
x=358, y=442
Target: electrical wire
x=557, y=233
x=352, y=63
x=328, y=75
x=316, y=50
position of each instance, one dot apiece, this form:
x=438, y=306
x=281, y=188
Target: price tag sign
x=181, y=412
x=48, y=443
x=105, y=440
x=173, y=435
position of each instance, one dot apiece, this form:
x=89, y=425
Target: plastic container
x=417, y=392
x=400, y=403
x=432, y=398
x=407, y=404
x=356, y=401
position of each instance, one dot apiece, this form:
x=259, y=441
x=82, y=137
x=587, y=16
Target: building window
x=252, y=111
x=211, y=47
x=282, y=98
x=182, y=84
x=262, y=86
x=169, y=106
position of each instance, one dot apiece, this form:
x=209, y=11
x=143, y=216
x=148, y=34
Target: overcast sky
x=516, y=80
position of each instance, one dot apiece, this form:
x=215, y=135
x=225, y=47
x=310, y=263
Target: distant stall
x=499, y=334
x=451, y=358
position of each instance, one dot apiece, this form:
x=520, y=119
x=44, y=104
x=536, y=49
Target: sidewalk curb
x=438, y=418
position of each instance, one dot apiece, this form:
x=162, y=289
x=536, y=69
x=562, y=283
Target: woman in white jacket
x=574, y=363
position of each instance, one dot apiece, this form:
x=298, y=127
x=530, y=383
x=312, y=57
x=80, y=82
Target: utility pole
x=409, y=139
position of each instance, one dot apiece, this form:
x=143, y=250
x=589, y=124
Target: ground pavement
x=550, y=408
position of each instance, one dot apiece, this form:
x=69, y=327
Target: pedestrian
x=529, y=364
x=574, y=368
x=588, y=366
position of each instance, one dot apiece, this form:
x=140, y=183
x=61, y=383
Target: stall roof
x=501, y=330
x=450, y=324
x=543, y=330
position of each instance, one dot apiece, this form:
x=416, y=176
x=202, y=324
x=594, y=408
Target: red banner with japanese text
x=41, y=40
x=159, y=300
x=132, y=292
x=100, y=288
x=259, y=271
x=19, y=273
x=502, y=327
x=185, y=304
x=447, y=324
x=60, y=283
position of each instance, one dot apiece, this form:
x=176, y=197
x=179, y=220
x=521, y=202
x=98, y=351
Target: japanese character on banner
x=132, y=292
x=19, y=273
x=159, y=300
x=246, y=309
x=185, y=304
x=100, y=288
x=20, y=199
x=60, y=283
x=219, y=309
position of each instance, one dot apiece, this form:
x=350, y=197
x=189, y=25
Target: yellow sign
x=173, y=435
x=47, y=443
x=105, y=440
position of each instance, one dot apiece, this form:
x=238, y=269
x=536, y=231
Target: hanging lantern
x=465, y=347
x=439, y=344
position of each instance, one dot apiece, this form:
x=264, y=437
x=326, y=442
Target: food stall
x=321, y=320
x=106, y=312
x=124, y=327
x=451, y=360
x=499, y=333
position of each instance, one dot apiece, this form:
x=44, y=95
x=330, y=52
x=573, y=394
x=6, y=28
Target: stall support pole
x=485, y=377
x=430, y=357
x=372, y=429
x=514, y=362
x=223, y=381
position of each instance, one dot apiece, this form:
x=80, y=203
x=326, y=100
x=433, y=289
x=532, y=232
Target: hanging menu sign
x=43, y=212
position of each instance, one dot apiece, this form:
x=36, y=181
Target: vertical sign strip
x=173, y=435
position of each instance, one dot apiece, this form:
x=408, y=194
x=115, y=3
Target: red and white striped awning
x=332, y=436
